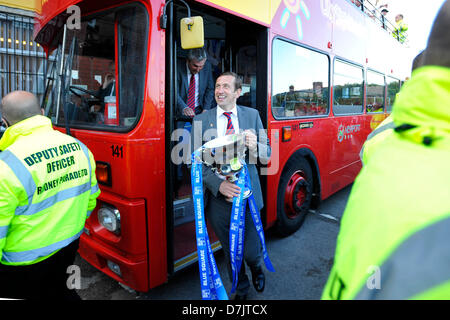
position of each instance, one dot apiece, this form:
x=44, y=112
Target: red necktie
x=191, y=93
x=230, y=128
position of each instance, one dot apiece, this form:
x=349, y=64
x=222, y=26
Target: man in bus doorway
x=229, y=118
x=195, y=84
x=394, y=245
x=195, y=95
x=48, y=189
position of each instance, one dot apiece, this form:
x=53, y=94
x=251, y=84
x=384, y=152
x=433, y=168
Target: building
x=22, y=61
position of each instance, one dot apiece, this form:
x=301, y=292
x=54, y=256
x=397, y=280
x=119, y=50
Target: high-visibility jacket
x=400, y=31
x=376, y=136
x=395, y=231
x=47, y=190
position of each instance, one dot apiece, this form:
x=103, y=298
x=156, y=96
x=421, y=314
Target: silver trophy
x=226, y=157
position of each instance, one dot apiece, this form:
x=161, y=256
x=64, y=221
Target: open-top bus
x=322, y=75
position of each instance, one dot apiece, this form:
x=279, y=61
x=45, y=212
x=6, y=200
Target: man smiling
x=229, y=118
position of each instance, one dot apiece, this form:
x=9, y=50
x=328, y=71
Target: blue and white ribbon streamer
x=210, y=281
x=237, y=231
x=237, y=234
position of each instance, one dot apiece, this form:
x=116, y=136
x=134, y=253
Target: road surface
x=302, y=262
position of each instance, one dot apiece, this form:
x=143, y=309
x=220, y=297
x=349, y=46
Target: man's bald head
x=438, y=48
x=19, y=105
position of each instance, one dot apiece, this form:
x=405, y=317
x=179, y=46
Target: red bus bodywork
x=335, y=28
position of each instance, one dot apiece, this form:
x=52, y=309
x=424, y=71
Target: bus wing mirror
x=191, y=32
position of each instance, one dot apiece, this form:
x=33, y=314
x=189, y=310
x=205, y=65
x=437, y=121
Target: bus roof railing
x=373, y=12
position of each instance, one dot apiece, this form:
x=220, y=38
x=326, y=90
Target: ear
x=42, y=111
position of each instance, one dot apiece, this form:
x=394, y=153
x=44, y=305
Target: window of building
x=374, y=92
x=348, y=88
x=22, y=61
x=299, y=81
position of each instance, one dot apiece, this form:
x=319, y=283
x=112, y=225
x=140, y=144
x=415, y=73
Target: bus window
x=299, y=81
x=374, y=92
x=104, y=68
x=348, y=88
x=246, y=68
x=393, y=87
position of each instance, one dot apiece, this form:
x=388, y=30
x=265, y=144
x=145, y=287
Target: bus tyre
x=294, y=195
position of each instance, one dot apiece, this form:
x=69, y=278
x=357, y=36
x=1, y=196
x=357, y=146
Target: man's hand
x=188, y=112
x=95, y=108
x=251, y=141
x=108, y=79
x=229, y=190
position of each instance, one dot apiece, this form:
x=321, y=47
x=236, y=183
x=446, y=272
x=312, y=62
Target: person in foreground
x=48, y=189
x=394, y=245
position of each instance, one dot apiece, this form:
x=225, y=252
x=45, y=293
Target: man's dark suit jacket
x=248, y=119
x=205, y=90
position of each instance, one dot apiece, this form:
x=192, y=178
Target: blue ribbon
x=237, y=231
x=258, y=225
x=237, y=228
x=210, y=281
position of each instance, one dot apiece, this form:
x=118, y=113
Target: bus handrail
x=373, y=12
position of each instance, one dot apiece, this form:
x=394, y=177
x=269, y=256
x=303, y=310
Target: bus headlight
x=109, y=217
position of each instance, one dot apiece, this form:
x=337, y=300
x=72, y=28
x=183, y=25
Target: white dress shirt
x=222, y=121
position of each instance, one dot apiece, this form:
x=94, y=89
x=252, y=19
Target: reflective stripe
x=390, y=125
x=94, y=189
x=86, y=153
x=47, y=203
x=3, y=231
x=33, y=208
x=24, y=176
x=420, y=263
x=32, y=255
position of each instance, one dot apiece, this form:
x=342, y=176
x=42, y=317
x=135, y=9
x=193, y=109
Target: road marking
x=324, y=215
x=328, y=216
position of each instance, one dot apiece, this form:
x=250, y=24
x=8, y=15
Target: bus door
x=227, y=50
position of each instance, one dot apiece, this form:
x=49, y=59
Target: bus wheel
x=294, y=195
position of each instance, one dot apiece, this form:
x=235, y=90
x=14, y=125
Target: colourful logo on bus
x=376, y=120
x=346, y=132
x=341, y=133
x=294, y=6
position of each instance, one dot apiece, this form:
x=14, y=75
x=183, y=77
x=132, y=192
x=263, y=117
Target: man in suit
x=195, y=84
x=228, y=118
x=195, y=93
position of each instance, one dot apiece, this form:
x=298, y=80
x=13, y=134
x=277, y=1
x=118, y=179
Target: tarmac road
x=302, y=262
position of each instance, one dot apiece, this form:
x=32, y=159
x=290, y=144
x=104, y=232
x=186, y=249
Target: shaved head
x=19, y=105
x=438, y=48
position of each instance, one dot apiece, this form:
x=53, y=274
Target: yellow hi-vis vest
x=47, y=190
x=395, y=232
x=400, y=31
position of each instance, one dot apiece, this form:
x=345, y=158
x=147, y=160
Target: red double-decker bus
x=322, y=75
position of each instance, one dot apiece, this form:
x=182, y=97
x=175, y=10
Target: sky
x=419, y=15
